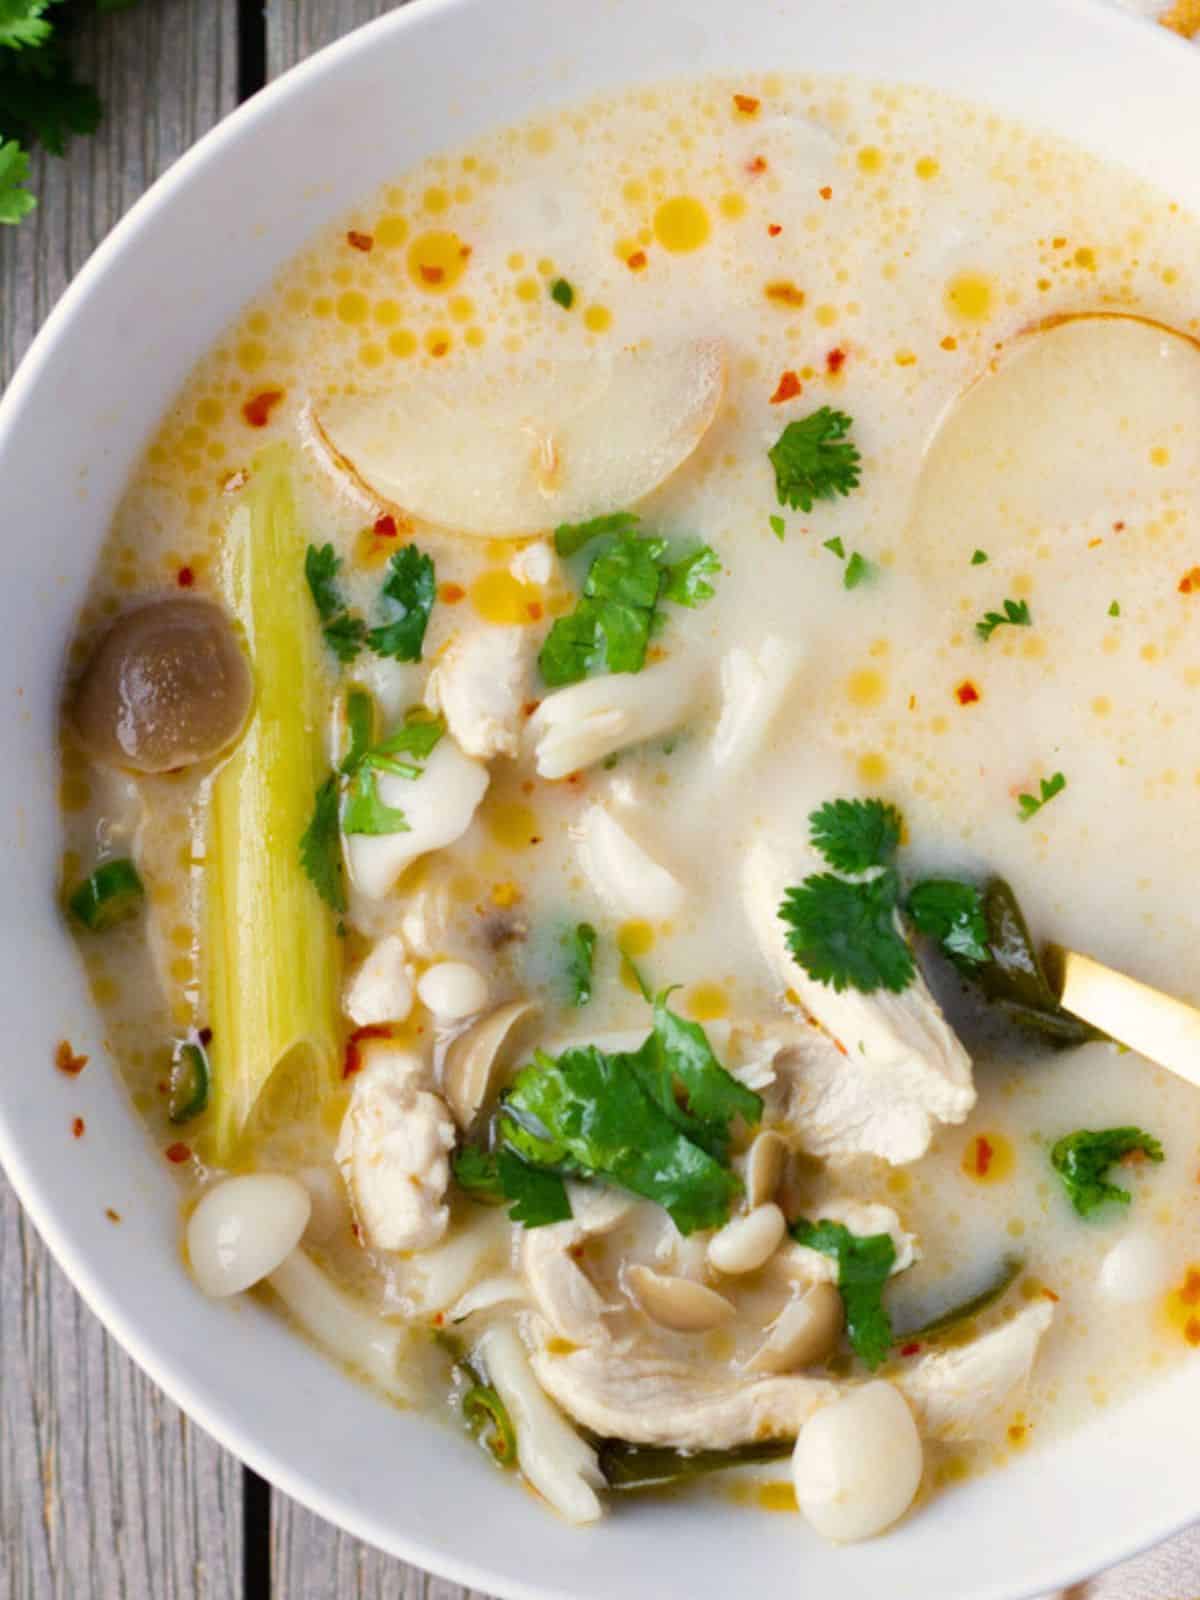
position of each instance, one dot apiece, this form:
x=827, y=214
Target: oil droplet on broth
x=989, y=1158
x=865, y=687
x=499, y=597
x=971, y=296
x=437, y=260
x=512, y=824
x=681, y=224
x=706, y=1002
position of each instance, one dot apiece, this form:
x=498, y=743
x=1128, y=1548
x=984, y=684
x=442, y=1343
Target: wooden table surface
x=107, y=1491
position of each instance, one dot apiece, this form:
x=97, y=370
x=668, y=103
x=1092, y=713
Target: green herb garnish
x=814, y=460
x=562, y=294
x=486, y=1416
x=1030, y=804
x=1114, y=610
x=321, y=847
x=1002, y=1279
x=858, y=570
x=15, y=199
x=407, y=597
x=344, y=633
x=864, y=1264
x=836, y=546
x=363, y=811
x=952, y=913
x=191, y=1080
x=630, y=1468
x=581, y=954
x=856, y=835
x=1082, y=1161
x=536, y=1198
x=778, y=527
x=112, y=894
x=1015, y=614
x=979, y=559
x=570, y=537
x=844, y=933
x=688, y=581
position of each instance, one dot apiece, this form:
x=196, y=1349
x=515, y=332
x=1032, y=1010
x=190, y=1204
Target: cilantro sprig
x=611, y=626
x=343, y=632
x=405, y=604
x=1015, y=614
x=952, y=913
x=580, y=943
x=1030, y=804
x=864, y=1263
x=535, y=1198
x=1082, y=1160
x=856, y=835
x=656, y=1121
x=321, y=847
x=814, y=459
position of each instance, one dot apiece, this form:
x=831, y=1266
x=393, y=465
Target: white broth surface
x=628, y=303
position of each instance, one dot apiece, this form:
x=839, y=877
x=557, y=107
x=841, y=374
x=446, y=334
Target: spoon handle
x=1156, y=1025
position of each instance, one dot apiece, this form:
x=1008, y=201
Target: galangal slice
x=511, y=451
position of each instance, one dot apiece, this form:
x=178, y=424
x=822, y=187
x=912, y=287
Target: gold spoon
x=1158, y=1026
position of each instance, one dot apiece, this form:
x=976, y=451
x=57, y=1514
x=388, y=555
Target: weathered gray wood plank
x=311, y=1560
x=106, y=1491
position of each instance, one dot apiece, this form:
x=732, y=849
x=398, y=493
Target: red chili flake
x=747, y=104
x=439, y=349
x=439, y=1319
x=1190, y=581
x=574, y=777
x=835, y=359
x=529, y=708
x=774, y=229
x=784, y=293
x=636, y=261
x=384, y=527
x=185, y=577
x=1016, y=1432
x=575, y=1252
x=432, y=274
x=257, y=411
x=451, y=593
x=360, y=241
x=949, y=342
x=1049, y=1294
x=178, y=1153
x=78, y=1127
x=788, y=387
x=67, y=1061
x=984, y=1151
x=356, y=1231
x=353, y=1058
x=113, y=1216
x=966, y=694
x=826, y=193
x=205, y=1036
x=909, y=1349
x=1118, y=527
x=1191, y=1330
x=1190, y=1293
x=534, y=610
x=464, y=251
x=756, y=165
x=1133, y=1158
x=840, y=1048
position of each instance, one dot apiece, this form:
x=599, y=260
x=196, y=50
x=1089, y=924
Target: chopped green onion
x=191, y=1079
x=562, y=294
x=112, y=893
x=486, y=1415
x=629, y=1468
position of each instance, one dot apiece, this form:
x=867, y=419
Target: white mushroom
x=438, y=807
x=327, y=1195
x=883, y=1069
x=453, y=990
x=857, y=1464
x=625, y=877
x=243, y=1228
x=746, y=1242
x=552, y=1456
x=805, y=1331
x=580, y=725
x=535, y=562
x=956, y=1393
x=551, y=443
x=392, y=1151
x=429, y=911
x=754, y=684
x=551, y=1261
x=474, y=1059
x=681, y=1304
x=346, y=1327
x=382, y=988
x=763, y=1167
x=504, y=1289
x=481, y=686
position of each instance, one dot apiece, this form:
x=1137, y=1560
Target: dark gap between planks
x=256, y=1491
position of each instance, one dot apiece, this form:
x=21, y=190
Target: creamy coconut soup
x=594, y=700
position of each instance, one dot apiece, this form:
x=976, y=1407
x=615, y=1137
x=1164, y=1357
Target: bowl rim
x=119, y=1319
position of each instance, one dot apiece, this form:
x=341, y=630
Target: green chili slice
x=486, y=1415
x=112, y=893
x=191, y=1080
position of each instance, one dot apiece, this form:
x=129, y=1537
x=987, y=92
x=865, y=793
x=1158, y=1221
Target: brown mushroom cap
x=168, y=685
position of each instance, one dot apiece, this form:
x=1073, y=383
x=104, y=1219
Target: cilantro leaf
x=627, y=572
x=15, y=200
x=952, y=913
x=345, y=636
x=418, y=736
x=836, y=547
x=321, y=847
x=844, y=934
x=1015, y=614
x=864, y=1263
x=581, y=954
x=778, y=527
x=858, y=570
x=537, y=1198
x=855, y=835
x=1114, y=609
x=688, y=580
x=571, y=648
x=23, y=24
x=1082, y=1161
x=570, y=537
x=41, y=100
x=344, y=633
x=587, y=1113
x=1030, y=804
x=814, y=460
x=407, y=597
x=979, y=559
x=365, y=813
x=562, y=294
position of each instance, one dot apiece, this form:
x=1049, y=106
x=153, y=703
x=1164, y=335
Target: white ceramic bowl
x=152, y=299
